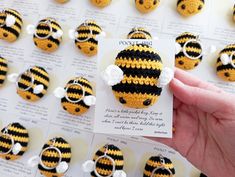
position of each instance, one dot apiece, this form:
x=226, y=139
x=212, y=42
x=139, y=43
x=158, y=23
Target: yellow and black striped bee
x=104, y=166
x=139, y=33
x=146, y=6
x=101, y=3
x=32, y=85
x=50, y=157
x=190, y=7
x=10, y=25
x=3, y=70
x=142, y=67
x=13, y=141
x=226, y=63
x=154, y=164
x=48, y=35
x=191, y=54
x=76, y=90
x=85, y=39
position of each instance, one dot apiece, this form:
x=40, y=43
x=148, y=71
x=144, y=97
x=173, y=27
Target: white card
x=113, y=118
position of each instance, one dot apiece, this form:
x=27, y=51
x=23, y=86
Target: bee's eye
x=79, y=47
x=200, y=7
x=147, y=102
x=196, y=64
x=77, y=110
x=141, y=1
x=122, y=100
x=226, y=74
x=49, y=45
x=181, y=62
x=183, y=7
x=154, y=2
x=92, y=48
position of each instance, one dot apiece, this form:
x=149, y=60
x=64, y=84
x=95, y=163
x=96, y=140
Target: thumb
x=205, y=100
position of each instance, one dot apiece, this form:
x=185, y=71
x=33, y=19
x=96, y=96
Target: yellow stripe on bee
x=3, y=60
x=155, y=164
x=60, y=145
x=50, y=164
x=193, y=49
x=103, y=171
x=148, y=173
x=141, y=63
x=183, y=40
x=29, y=84
x=5, y=145
x=108, y=162
x=93, y=28
x=2, y=77
x=21, y=139
x=3, y=68
x=142, y=80
x=51, y=174
x=18, y=130
x=140, y=48
x=40, y=79
x=86, y=89
x=113, y=152
x=40, y=71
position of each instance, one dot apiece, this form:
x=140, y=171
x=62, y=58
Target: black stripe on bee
x=139, y=72
x=11, y=30
x=14, y=13
x=137, y=88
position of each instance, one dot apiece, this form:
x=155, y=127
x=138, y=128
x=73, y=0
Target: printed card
x=112, y=117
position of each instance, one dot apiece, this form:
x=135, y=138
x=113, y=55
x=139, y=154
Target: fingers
x=191, y=80
x=205, y=100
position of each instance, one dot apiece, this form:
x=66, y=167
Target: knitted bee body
x=101, y=3
x=191, y=54
x=76, y=90
x=13, y=141
x=48, y=35
x=10, y=25
x=54, y=152
x=85, y=40
x=104, y=166
x=3, y=70
x=154, y=164
x=32, y=85
x=146, y=6
x=139, y=33
x=226, y=63
x=190, y=7
x=142, y=67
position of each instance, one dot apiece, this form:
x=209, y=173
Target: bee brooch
x=190, y=7
x=138, y=76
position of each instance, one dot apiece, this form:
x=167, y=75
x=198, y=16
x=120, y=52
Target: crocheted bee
x=159, y=166
x=3, y=70
x=138, y=76
x=190, y=7
x=226, y=63
x=32, y=84
x=139, y=33
x=54, y=158
x=47, y=34
x=101, y=3
x=62, y=1
x=13, y=141
x=10, y=25
x=85, y=37
x=108, y=161
x=77, y=96
x=189, y=51
x=234, y=12
x=146, y=6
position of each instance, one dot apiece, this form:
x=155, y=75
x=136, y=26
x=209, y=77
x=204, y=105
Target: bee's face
x=44, y=39
x=11, y=33
x=88, y=48
x=146, y=6
x=186, y=63
x=226, y=72
x=25, y=81
x=190, y=7
x=101, y=3
x=137, y=101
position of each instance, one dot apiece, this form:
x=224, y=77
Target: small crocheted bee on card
x=85, y=37
x=189, y=51
x=10, y=25
x=139, y=33
x=62, y=1
x=226, y=63
x=32, y=84
x=54, y=158
x=108, y=161
x=101, y=3
x=77, y=96
x=47, y=34
x=3, y=70
x=146, y=6
x=138, y=76
x=159, y=166
x=190, y=7
x=13, y=141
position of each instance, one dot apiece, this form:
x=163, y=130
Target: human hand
x=204, y=122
